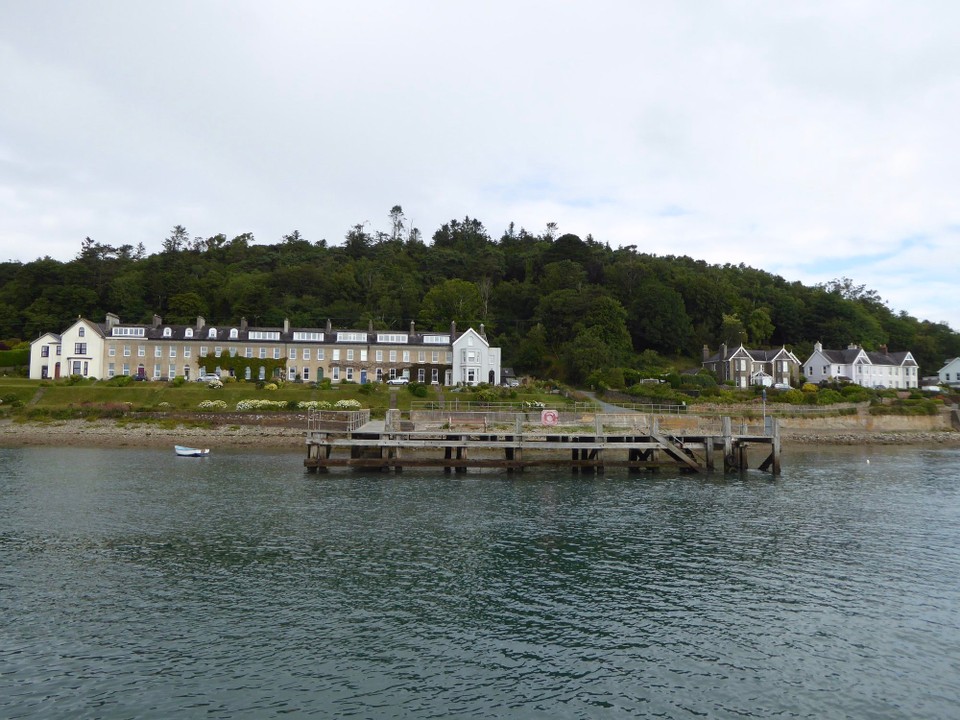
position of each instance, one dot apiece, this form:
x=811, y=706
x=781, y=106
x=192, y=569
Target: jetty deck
x=584, y=443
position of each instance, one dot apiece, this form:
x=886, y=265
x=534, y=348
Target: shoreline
x=107, y=433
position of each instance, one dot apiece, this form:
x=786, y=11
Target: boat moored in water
x=184, y=451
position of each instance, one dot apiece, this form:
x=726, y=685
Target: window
x=126, y=351
x=276, y=353
x=126, y=368
x=393, y=356
x=264, y=335
x=217, y=350
x=157, y=351
x=212, y=333
x=351, y=337
x=45, y=351
x=248, y=352
x=421, y=375
x=141, y=351
x=263, y=353
x=379, y=374
x=309, y=336
x=306, y=353
x=336, y=354
x=435, y=376
x=306, y=373
x=406, y=356
x=263, y=373
x=127, y=332
x=350, y=374
x=79, y=349
x=335, y=370
x=111, y=369
x=436, y=339
x=203, y=350
x=58, y=350
x=173, y=351
x=247, y=373
x=186, y=351
x=363, y=355
x=167, y=332
x=188, y=333
x=77, y=367
x=234, y=333
x=320, y=354
x=379, y=355
x=292, y=353
x=391, y=337
x=421, y=356
x=156, y=371
x=81, y=331
x=449, y=356
x=349, y=354
x=173, y=371
x=232, y=351
x=435, y=356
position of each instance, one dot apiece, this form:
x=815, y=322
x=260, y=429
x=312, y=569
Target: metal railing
x=340, y=420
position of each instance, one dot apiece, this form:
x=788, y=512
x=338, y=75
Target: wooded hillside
x=559, y=306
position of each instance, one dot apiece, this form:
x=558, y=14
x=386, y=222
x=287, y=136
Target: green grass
x=61, y=400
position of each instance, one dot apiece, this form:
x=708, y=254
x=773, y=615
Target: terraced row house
x=160, y=351
x=880, y=369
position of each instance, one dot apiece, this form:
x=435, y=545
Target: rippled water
x=138, y=584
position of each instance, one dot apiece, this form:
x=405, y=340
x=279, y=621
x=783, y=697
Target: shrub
x=347, y=405
x=313, y=405
x=212, y=405
x=270, y=386
x=261, y=405
x=178, y=381
x=215, y=384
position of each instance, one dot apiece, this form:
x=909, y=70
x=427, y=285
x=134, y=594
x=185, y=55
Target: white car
x=399, y=380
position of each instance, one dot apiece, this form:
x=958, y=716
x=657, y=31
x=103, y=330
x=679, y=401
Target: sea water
x=135, y=584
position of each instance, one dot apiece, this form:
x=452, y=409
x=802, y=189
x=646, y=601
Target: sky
x=814, y=140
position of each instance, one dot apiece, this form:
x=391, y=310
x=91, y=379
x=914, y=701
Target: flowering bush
x=163, y=405
x=215, y=384
x=270, y=386
x=534, y=404
x=212, y=405
x=347, y=405
x=313, y=405
x=261, y=405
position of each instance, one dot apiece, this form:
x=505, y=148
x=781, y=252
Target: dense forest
x=559, y=305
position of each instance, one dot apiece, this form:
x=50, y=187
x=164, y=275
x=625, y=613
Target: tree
x=179, y=237
x=397, y=222
x=457, y=300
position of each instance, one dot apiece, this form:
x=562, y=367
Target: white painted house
x=866, y=368
x=474, y=361
x=78, y=350
x=949, y=374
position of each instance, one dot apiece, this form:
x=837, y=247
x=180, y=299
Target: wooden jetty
x=514, y=441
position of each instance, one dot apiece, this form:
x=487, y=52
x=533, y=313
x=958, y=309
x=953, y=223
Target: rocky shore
x=290, y=435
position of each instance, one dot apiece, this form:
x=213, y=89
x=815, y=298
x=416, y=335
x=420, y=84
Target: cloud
x=812, y=140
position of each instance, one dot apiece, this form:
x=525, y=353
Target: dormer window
x=234, y=333
x=212, y=333
x=188, y=333
x=167, y=332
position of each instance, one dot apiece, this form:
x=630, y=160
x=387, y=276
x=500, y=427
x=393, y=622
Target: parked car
x=512, y=382
x=781, y=386
x=399, y=380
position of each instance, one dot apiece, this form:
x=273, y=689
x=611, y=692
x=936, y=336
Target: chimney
x=243, y=324
x=157, y=321
x=370, y=325
x=200, y=323
x=286, y=326
x=483, y=333
x=453, y=329
x=412, y=326
x=329, y=326
x=883, y=349
x=853, y=346
x=818, y=346
x=112, y=320
x=723, y=351
x=706, y=352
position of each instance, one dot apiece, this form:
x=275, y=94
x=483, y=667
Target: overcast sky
x=815, y=140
